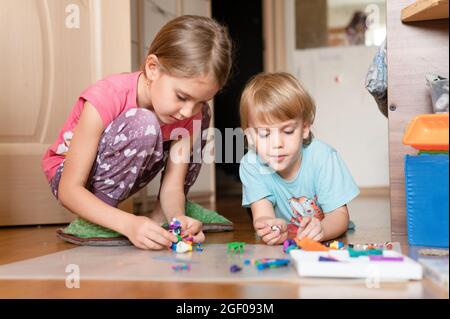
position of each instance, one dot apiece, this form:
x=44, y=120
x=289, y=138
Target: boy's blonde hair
x=276, y=97
x=191, y=45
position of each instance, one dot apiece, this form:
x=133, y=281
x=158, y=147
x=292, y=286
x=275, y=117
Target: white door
x=50, y=50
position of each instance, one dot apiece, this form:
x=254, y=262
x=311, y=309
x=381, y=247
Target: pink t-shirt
x=111, y=97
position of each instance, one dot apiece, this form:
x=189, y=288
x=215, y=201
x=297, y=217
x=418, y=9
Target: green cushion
x=206, y=216
x=84, y=229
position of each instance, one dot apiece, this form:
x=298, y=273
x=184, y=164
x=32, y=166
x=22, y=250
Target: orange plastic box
x=428, y=132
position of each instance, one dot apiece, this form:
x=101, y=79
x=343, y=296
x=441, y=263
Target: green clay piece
x=432, y=152
x=370, y=252
x=290, y=248
x=236, y=247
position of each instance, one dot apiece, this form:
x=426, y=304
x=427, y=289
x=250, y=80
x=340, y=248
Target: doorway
x=246, y=31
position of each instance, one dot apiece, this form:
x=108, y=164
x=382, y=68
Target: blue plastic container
x=426, y=185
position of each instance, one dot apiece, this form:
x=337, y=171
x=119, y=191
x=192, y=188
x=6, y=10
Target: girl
x=287, y=176
x=122, y=129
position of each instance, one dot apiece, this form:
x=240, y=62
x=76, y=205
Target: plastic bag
x=376, y=79
x=439, y=92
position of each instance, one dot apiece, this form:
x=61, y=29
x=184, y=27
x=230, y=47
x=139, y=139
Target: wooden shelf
x=412, y=53
x=422, y=10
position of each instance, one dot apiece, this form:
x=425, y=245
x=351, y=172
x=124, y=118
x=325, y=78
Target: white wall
x=347, y=116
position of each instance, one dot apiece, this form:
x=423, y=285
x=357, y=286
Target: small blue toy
x=264, y=263
x=175, y=226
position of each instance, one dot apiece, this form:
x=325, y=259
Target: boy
x=287, y=175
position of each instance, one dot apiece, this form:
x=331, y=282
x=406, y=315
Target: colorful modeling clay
x=181, y=267
x=383, y=258
x=336, y=245
x=182, y=245
x=264, y=263
x=235, y=268
x=275, y=228
x=323, y=258
x=308, y=244
x=235, y=247
x=288, y=245
x=369, y=252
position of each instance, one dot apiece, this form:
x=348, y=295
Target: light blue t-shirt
x=322, y=184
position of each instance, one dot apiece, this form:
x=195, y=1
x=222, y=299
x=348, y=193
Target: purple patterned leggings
x=130, y=154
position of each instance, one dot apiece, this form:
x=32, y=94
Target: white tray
x=308, y=265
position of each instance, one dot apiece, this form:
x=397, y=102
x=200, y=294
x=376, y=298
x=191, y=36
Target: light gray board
x=131, y=263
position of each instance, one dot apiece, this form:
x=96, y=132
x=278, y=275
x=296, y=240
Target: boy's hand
x=193, y=227
x=146, y=234
x=273, y=231
x=310, y=227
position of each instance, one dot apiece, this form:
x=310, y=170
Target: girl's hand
x=273, y=231
x=310, y=227
x=193, y=227
x=146, y=234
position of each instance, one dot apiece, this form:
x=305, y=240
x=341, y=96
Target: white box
x=308, y=265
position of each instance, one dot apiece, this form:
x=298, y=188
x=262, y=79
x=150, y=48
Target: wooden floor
x=370, y=214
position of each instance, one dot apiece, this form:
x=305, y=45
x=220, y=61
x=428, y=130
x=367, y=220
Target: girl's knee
x=140, y=117
x=142, y=126
x=135, y=132
x=147, y=116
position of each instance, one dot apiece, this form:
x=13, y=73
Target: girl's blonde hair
x=191, y=45
x=276, y=97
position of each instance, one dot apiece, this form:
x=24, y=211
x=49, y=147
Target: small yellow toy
x=337, y=245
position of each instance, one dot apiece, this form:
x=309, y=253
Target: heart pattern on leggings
x=129, y=152
x=119, y=138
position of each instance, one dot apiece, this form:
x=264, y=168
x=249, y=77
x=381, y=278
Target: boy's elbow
x=257, y=223
x=346, y=215
x=345, y=218
x=341, y=218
